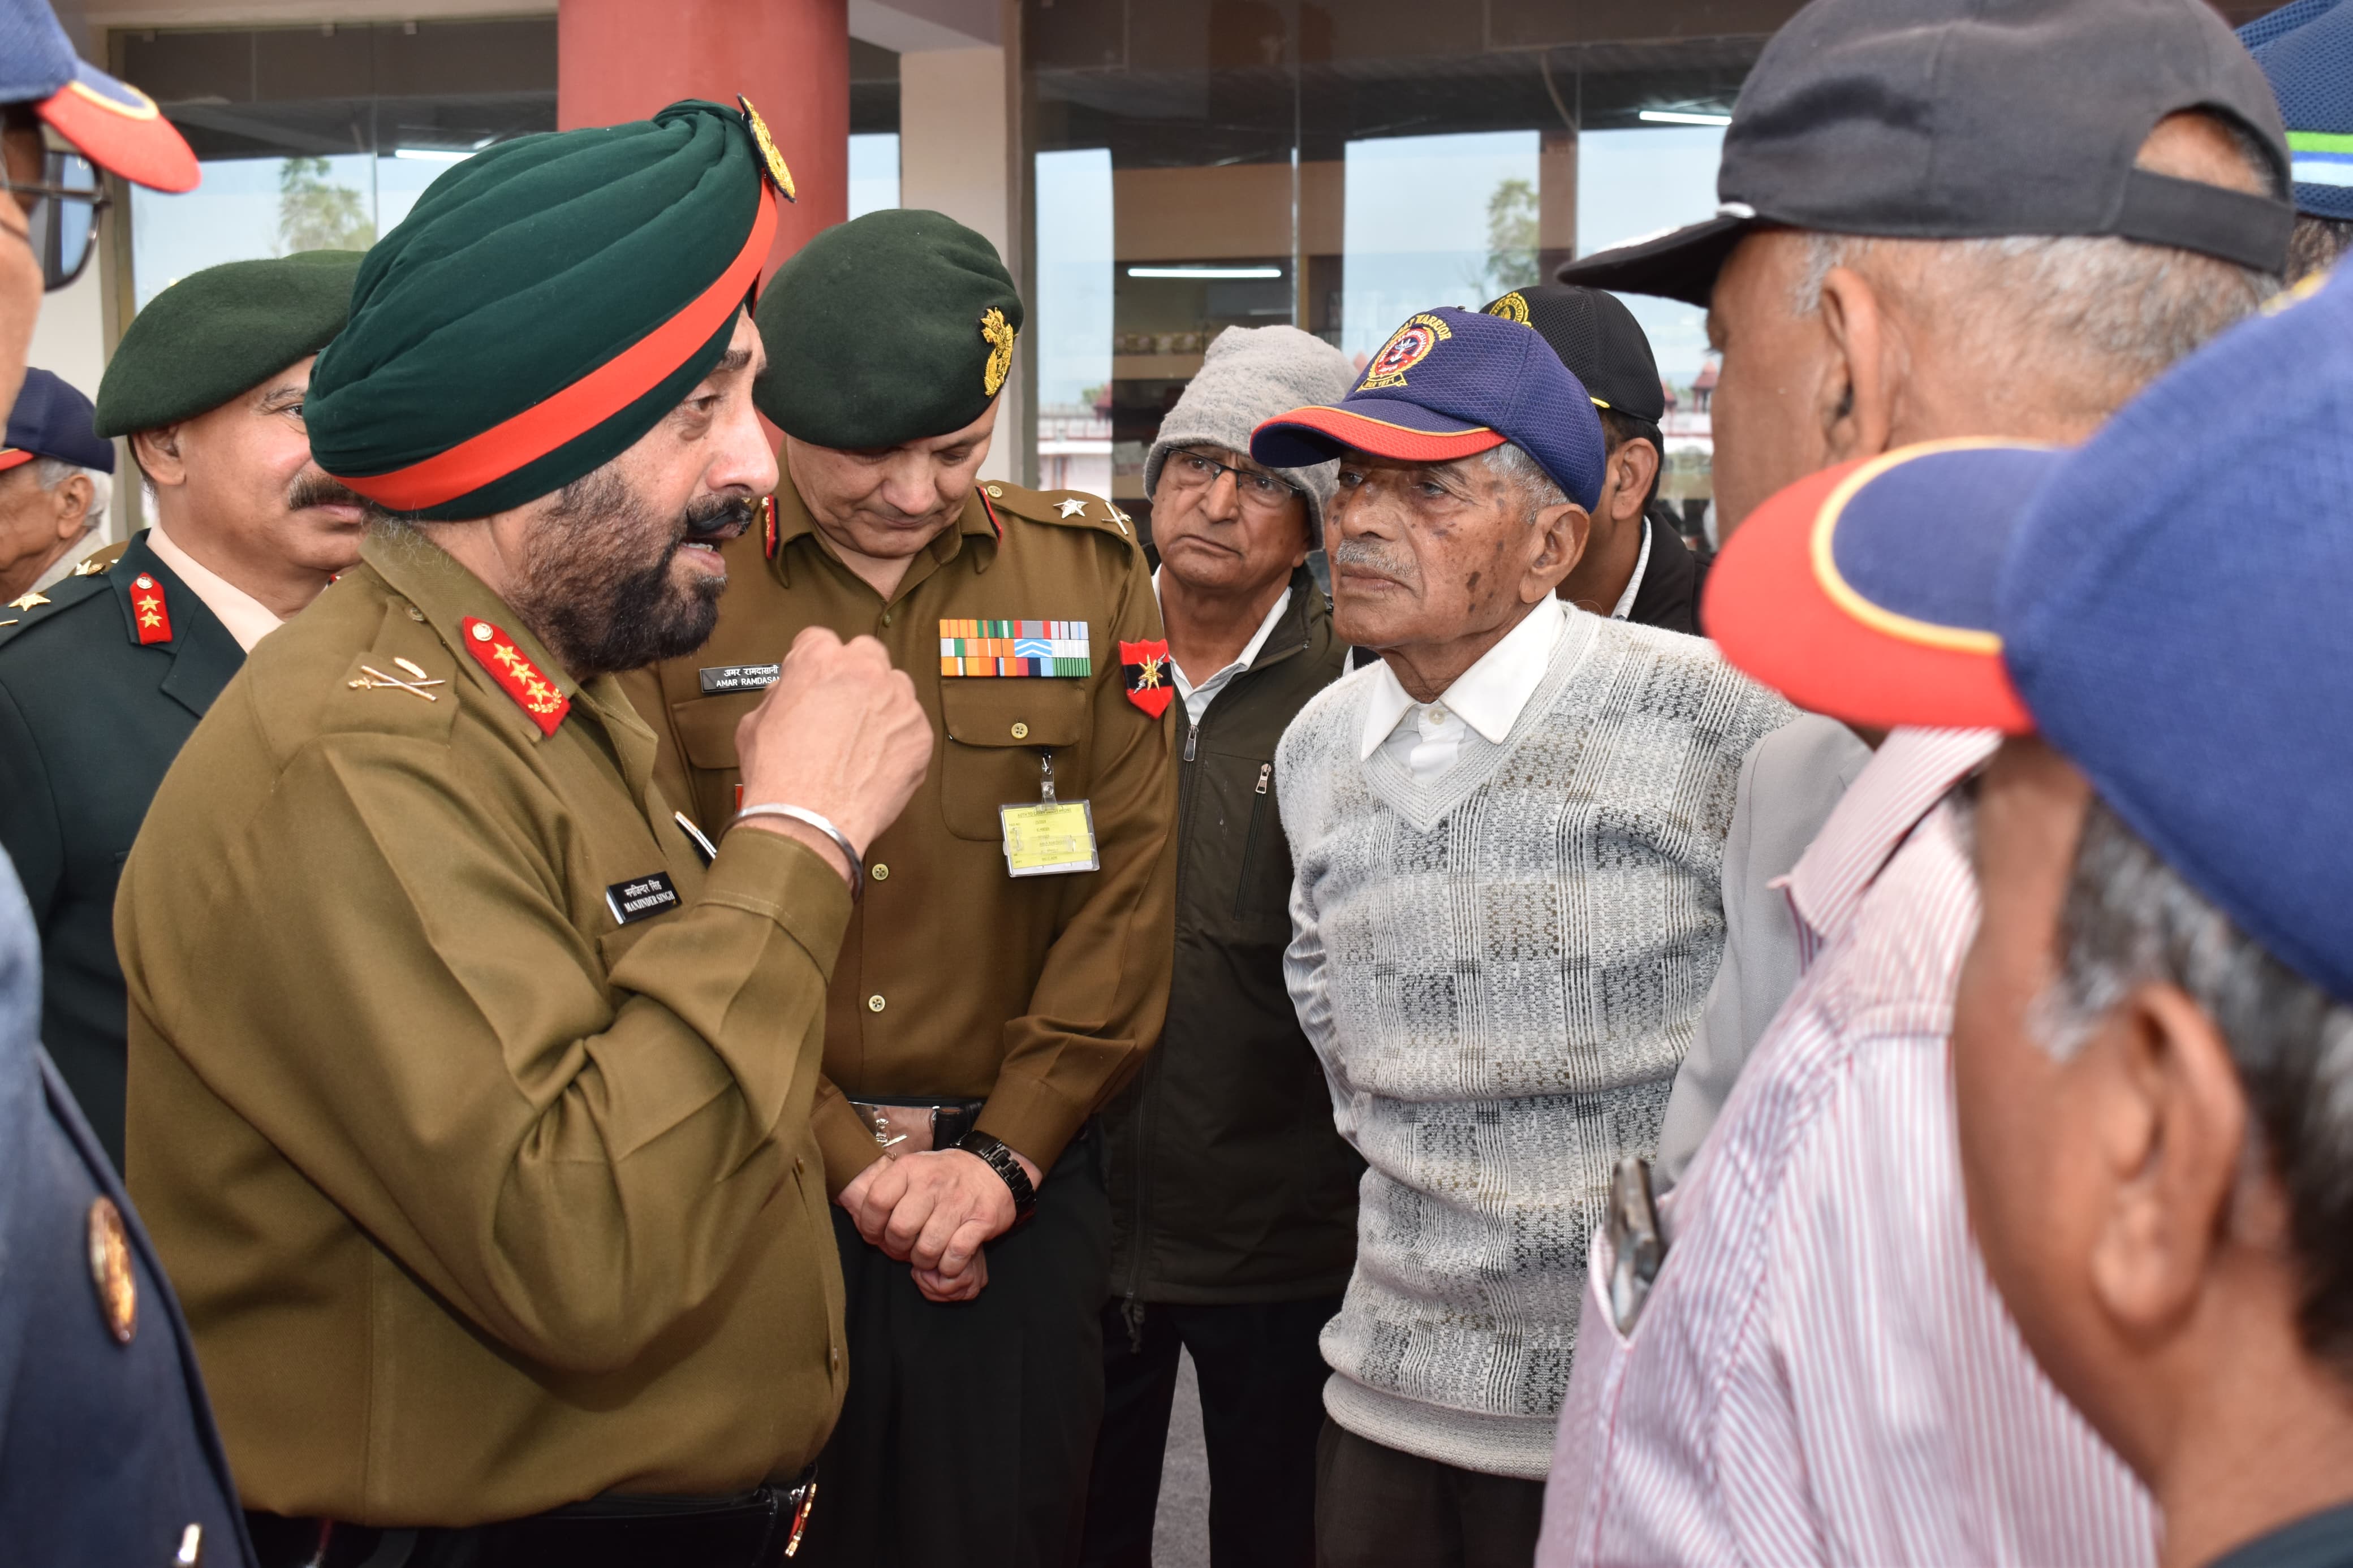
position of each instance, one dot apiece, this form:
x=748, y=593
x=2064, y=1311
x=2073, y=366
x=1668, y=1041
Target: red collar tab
x=993, y=522
x=148, y=610
x=520, y=679
x=1145, y=664
x=768, y=527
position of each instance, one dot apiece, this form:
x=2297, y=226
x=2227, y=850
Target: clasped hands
x=935, y=1211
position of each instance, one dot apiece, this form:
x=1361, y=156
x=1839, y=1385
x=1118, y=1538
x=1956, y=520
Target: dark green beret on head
x=221, y=333
x=894, y=327
x=542, y=308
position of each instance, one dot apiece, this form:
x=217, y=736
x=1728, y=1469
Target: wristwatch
x=1007, y=1167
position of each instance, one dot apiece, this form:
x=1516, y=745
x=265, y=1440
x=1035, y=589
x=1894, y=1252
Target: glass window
x=1337, y=167
x=873, y=128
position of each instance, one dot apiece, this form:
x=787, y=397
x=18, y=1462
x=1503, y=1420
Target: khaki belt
x=917, y=1126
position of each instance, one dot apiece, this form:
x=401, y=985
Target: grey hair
x=2316, y=245
x=2115, y=308
x=50, y=472
x=2130, y=920
x=1511, y=463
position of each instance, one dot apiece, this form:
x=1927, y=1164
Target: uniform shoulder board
x=33, y=609
x=1066, y=509
x=99, y=560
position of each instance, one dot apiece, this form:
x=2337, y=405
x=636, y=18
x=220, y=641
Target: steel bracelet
x=811, y=819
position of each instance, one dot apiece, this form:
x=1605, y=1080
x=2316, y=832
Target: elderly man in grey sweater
x=1508, y=838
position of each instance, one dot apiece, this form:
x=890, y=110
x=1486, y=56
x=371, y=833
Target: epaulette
x=1066, y=509
x=100, y=559
x=33, y=609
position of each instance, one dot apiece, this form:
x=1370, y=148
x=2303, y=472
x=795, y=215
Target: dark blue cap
x=2306, y=53
x=1451, y=383
x=2199, y=673
x=110, y=123
x=52, y=420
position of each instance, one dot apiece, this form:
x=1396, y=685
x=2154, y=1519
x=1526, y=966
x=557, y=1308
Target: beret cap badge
x=770, y=159
x=1000, y=335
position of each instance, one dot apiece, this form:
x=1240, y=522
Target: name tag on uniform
x=641, y=898
x=1050, y=838
x=718, y=678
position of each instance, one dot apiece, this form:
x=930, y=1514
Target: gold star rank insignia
x=771, y=161
x=91, y=567
x=31, y=601
x=516, y=676
x=148, y=608
x=1073, y=507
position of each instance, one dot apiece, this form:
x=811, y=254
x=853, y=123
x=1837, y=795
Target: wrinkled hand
x=840, y=735
x=934, y=1211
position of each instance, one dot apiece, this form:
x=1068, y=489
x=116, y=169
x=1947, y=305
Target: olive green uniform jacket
x=957, y=980
x=1228, y=1182
x=90, y=719
x=479, y=1201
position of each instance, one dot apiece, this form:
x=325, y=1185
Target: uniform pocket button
x=1020, y=732
x=881, y=872
x=874, y=1004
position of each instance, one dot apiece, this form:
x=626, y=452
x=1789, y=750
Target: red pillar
x=624, y=60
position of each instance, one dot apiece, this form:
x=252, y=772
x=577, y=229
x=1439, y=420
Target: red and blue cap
x=2166, y=612
x=1452, y=384
x=110, y=123
x=53, y=420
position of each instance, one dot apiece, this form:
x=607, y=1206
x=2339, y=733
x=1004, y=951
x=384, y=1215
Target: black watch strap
x=1002, y=1160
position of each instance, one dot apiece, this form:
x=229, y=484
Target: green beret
x=892, y=328
x=222, y=331
x=543, y=307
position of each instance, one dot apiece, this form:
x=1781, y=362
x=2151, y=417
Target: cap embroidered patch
x=520, y=679
x=1015, y=647
x=773, y=161
x=1512, y=307
x=1145, y=664
x=147, y=605
x=1000, y=334
x=1407, y=347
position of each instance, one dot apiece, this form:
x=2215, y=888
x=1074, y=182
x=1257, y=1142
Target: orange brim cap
x=119, y=128
x=1867, y=592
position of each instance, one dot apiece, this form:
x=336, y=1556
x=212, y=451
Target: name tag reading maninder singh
x=641, y=898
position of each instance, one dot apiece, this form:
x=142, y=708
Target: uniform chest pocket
x=996, y=727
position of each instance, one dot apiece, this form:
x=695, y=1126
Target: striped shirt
x=1823, y=1373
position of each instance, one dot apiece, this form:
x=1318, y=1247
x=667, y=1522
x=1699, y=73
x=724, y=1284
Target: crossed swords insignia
x=378, y=680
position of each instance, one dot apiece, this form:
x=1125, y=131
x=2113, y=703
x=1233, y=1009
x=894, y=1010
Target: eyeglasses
x=1258, y=490
x=62, y=214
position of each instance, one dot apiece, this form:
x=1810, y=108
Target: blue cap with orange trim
x=51, y=419
x=2166, y=612
x=1452, y=384
x=111, y=123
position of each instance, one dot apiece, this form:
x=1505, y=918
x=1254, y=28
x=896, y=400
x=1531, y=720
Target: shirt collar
x=245, y=618
x=1634, y=583
x=446, y=593
x=1910, y=772
x=1248, y=657
x=794, y=520
x=1489, y=695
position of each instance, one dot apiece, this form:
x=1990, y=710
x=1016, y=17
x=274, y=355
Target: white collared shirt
x=248, y=620
x=1196, y=697
x=1487, y=698
x=1634, y=583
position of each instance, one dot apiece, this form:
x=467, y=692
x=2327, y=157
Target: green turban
x=542, y=308
x=221, y=333
x=892, y=328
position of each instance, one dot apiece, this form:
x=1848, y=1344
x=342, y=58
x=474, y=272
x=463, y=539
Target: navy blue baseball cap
x=52, y=420
x=1452, y=384
x=2199, y=669
x=2306, y=53
x=110, y=123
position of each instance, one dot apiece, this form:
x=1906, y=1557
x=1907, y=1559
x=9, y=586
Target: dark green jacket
x=1228, y=1182
x=89, y=719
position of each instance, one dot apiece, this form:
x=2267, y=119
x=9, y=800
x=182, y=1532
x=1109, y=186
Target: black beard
x=593, y=595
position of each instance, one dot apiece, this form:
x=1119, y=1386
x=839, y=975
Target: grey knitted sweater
x=1501, y=971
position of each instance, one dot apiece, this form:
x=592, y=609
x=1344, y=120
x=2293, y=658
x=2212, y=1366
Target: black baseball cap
x=1974, y=118
x=1597, y=338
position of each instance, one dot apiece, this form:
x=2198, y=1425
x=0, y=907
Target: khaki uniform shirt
x=958, y=980
x=479, y=1201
